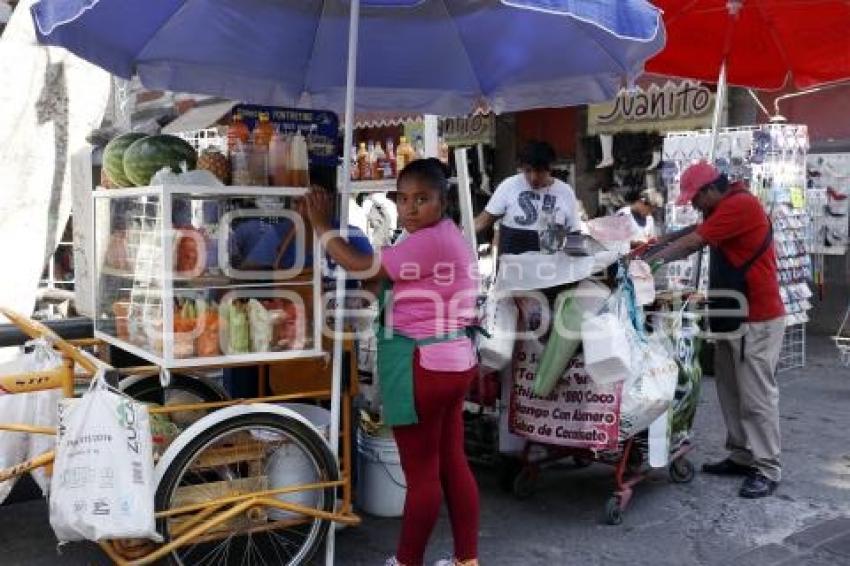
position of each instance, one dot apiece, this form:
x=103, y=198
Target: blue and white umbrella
x=443, y=57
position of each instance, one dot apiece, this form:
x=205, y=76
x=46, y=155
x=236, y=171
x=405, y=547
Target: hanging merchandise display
x=828, y=189
x=771, y=160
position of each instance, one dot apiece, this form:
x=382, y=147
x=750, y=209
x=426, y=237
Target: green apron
x=395, y=365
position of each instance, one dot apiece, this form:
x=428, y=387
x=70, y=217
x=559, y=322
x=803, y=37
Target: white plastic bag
x=649, y=390
x=608, y=229
x=102, y=486
x=500, y=320
x=644, y=283
x=607, y=349
x=37, y=408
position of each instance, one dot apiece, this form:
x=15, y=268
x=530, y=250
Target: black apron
x=518, y=240
x=724, y=279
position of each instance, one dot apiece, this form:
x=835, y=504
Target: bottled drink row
x=372, y=161
x=268, y=155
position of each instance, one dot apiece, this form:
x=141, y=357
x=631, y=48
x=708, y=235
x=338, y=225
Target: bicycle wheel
x=248, y=453
x=183, y=390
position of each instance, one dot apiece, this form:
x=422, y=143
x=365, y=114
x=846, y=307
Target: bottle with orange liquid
x=238, y=134
x=404, y=154
x=264, y=131
x=363, y=164
x=279, y=160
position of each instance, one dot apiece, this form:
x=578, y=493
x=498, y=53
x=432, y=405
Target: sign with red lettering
x=578, y=412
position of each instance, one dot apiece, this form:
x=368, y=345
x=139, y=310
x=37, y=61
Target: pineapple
x=105, y=181
x=214, y=161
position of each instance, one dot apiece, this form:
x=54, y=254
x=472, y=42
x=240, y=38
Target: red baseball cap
x=693, y=179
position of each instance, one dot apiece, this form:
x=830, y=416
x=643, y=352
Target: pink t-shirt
x=434, y=291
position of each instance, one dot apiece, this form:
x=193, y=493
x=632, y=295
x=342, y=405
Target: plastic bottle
x=279, y=160
x=263, y=132
x=384, y=165
x=355, y=171
x=373, y=160
x=381, y=163
x=237, y=133
x=404, y=155
x=391, y=157
x=363, y=165
x=300, y=161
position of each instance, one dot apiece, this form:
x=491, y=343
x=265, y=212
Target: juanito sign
x=673, y=106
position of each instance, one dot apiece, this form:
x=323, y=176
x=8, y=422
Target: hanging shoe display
x=607, y=143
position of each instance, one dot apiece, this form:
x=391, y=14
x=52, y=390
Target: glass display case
x=192, y=275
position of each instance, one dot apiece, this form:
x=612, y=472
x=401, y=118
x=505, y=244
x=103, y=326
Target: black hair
x=637, y=194
x=431, y=171
x=538, y=155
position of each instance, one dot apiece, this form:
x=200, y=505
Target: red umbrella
x=763, y=42
x=757, y=43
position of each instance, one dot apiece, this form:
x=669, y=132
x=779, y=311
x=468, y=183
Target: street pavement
x=806, y=523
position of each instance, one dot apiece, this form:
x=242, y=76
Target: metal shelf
x=214, y=361
x=379, y=186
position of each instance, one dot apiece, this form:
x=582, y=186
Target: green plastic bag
x=564, y=340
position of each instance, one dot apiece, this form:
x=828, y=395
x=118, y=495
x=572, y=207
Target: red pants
x=434, y=463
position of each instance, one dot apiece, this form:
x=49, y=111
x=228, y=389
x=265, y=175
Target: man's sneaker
x=757, y=485
x=456, y=562
x=393, y=561
x=727, y=468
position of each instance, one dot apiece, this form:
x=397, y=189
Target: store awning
x=199, y=117
x=365, y=120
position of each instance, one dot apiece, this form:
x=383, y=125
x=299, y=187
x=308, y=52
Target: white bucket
x=381, y=485
x=291, y=466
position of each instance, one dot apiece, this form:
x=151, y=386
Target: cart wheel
x=509, y=469
x=246, y=453
x=613, y=511
x=581, y=461
x=681, y=471
x=525, y=483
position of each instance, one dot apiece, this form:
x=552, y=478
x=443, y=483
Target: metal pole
x=464, y=194
x=339, y=294
x=719, y=103
x=431, y=135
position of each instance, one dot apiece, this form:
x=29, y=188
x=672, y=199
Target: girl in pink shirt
x=433, y=275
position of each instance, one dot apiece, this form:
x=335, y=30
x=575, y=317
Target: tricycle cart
x=226, y=485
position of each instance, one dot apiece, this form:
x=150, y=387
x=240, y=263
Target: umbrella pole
x=339, y=291
x=719, y=103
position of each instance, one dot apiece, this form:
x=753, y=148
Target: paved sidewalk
x=704, y=523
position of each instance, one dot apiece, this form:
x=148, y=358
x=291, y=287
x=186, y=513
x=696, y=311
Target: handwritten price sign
x=577, y=413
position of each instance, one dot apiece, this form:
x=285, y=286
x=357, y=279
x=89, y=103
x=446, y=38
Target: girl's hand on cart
x=318, y=208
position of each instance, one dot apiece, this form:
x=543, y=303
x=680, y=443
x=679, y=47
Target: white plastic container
x=290, y=465
x=381, y=485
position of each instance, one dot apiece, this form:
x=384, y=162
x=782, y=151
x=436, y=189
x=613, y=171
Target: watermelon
x=113, y=158
x=145, y=157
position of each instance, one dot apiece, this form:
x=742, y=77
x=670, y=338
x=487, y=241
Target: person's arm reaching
x=484, y=221
x=317, y=207
x=671, y=236
x=495, y=209
x=678, y=248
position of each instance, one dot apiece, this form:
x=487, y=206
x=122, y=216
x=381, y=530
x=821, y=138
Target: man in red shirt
x=747, y=348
